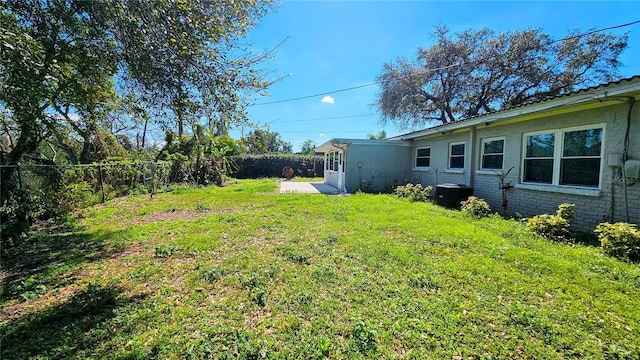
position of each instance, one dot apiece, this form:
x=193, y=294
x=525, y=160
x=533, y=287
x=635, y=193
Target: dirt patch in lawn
x=74, y=282
x=182, y=215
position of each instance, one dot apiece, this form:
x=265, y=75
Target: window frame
x=552, y=158
x=558, y=155
x=450, y=155
x=415, y=158
x=329, y=161
x=482, y=154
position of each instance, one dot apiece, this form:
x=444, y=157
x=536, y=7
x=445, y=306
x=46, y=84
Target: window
x=332, y=159
x=492, y=154
x=580, y=161
x=423, y=157
x=569, y=157
x=538, y=161
x=456, y=156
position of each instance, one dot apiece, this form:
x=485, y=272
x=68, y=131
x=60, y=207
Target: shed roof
x=340, y=143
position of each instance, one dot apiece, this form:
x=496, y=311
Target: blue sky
x=336, y=45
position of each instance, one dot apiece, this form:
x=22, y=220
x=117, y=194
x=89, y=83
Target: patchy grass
x=242, y=272
x=308, y=179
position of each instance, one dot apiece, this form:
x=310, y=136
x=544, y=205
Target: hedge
x=257, y=166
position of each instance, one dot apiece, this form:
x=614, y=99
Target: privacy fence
x=256, y=166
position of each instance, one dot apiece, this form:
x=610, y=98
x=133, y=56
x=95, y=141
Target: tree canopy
x=308, y=147
x=379, y=136
x=264, y=141
x=475, y=72
x=68, y=68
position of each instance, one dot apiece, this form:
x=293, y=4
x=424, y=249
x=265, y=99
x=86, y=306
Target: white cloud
x=328, y=99
x=322, y=135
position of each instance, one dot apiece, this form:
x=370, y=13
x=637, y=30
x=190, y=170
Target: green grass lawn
x=244, y=272
x=308, y=179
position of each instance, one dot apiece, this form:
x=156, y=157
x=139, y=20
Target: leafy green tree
x=55, y=61
x=477, y=72
x=308, y=147
x=263, y=141
x=184, y=57
x=379, y=136
x=210, y=155
x=181, y=60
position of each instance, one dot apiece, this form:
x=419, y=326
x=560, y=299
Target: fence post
x=101, y=182
x=19, y=177
x=144, y=174
x=153, y=179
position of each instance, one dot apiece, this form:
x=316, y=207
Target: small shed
x=367, y=165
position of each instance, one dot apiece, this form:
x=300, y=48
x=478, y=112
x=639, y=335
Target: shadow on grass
x=586, y=239
x=67, y=330
x=37, y=262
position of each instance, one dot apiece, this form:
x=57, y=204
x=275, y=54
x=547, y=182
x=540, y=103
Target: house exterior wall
x=439, y=172
x=376, y=167
x=593, y=205
x=331, y=178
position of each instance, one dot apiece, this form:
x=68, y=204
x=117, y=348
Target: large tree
x=264, y=141
x=308, y=147
x=56, y=66
x=184, y=59
x=65, y=64
x=480, y=71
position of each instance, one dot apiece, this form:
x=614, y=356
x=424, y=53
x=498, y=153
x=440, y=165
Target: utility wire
x=316, y=95
x=597, y=30
x=352, y=88
x=320, y=119
x=328, y=132
x=432, y=70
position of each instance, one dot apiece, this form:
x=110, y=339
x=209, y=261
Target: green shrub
x=620, y=240
x=414, y=192
x=138, y=189
x=78, y=196
x=475, y=207
x=554, y=227
x=567, y=211
x=22, y=208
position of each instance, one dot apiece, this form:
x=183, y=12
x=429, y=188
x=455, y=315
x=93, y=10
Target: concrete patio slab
x=294, y=187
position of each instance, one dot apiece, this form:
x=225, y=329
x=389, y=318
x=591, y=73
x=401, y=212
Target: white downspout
x=472, y=156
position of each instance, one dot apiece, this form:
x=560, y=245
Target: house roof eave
x=596, y=96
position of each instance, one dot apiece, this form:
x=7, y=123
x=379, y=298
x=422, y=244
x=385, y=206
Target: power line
x=319, y=94
x=320, y=119
x=354, y=87
x=329, y=132
x=597, y=30
x=431, y=70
